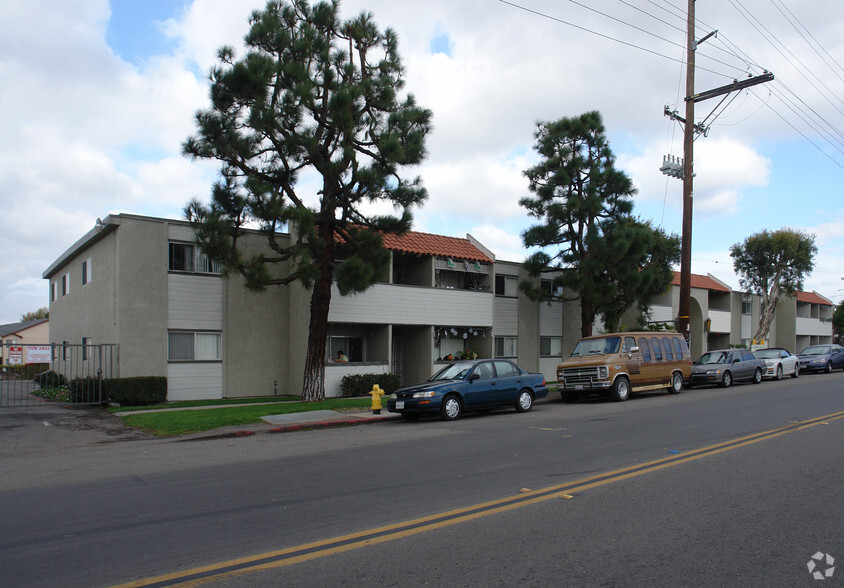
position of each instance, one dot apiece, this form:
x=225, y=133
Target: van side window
x=678, y=348
x=646, y=350
x=655, y=349
x=666, y=346
x=629, y=343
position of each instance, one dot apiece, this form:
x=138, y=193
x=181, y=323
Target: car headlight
x=603, y=372
x=713, y=371
x=818, y=361
x=429, y=394
x=393, y=396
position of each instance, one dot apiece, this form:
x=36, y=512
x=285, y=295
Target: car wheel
x=525, y=401
x=796, y=373
x=676, y=383
x=726, y=380
x=451, y=408
x=410, y=416
x=757, y=375
x=621, y=389
x=828, y=367
x=779, y=372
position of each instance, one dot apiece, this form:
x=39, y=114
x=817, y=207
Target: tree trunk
x=769, y=306
x=313, y=388
x=587, y=317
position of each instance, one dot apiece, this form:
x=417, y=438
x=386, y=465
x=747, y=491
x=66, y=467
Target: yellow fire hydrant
x=377, y=393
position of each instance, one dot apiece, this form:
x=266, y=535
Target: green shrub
x=361, y=384
x=137, y=391
x=85, y=390
x=51, y=379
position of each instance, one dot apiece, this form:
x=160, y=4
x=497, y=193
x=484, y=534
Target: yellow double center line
x=309, y=551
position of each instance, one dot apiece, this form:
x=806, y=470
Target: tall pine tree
x=608, y=260
x=313, y=95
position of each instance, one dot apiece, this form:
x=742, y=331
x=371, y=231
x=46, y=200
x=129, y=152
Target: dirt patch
x=101, y=421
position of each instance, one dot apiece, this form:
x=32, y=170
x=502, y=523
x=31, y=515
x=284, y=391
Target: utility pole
x=688, y=161
x=672, y=166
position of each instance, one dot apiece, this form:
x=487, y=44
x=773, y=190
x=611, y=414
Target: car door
x=482, y=387
x=509, y=381
x=748, y=363
x=837, y=356
x=633, y=362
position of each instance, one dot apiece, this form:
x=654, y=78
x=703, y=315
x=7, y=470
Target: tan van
x=622, y=363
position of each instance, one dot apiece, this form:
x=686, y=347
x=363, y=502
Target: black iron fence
x=65, y=373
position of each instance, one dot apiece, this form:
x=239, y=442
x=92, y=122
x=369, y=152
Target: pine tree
x=320, y=96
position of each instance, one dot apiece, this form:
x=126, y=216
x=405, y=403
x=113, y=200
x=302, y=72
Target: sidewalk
x=296, y=421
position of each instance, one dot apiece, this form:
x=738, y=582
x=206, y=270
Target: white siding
x=412, y=305
x=813, y=326
x=548, y=367
x=334, y=374
x=194, y=302
x=180, y=233
x=662, y=314
x=194, y=381
x=506, y=319
x=550, y=319
x=746, y=326
x=721, y=321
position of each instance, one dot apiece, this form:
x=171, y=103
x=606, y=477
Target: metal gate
x=62, y=373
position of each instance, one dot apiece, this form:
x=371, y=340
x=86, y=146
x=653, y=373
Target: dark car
x=725, y=366
x=480, y=384
x=821, y=358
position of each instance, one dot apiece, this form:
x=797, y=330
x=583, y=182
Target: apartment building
x=141, y=283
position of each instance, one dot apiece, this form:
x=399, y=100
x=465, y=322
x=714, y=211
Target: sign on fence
x=39, y=354
x=15, y=355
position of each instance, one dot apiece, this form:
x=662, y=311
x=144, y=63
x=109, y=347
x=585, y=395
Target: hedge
x=137, y=391
x=361, y=384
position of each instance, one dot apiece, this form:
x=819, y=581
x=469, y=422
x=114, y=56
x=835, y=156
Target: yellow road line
x=343, y=543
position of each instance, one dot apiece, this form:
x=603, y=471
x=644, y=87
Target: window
x=184, y=257
x=351, y=346
x=646, y=351
x=505, y=369
x=548, y=288
x=190, y=346
x=666, y=347
x=86, y=341
x=65, y=345
x=678, y=348
x=505, y=346
x=629, y=343
x=86, y=271
x=657, y=352
x=65, y=284
x=52, y=291
x=746, y=304
x=551, y=346
x=506, y=285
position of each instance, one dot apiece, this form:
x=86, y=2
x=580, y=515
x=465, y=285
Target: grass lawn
x=182, y=422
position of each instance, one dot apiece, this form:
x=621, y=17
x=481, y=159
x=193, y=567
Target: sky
x=96, y=98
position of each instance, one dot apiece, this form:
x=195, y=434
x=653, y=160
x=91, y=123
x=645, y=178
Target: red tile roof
x=702, y=282
x=813, y=298
x=439, y=245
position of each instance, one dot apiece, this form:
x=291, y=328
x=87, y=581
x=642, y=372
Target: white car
x=780, y=362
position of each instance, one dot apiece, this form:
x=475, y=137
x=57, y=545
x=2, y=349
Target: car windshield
x=767, y=353
x=602, y=346
x=816, y=350
x=453, y=371
x=713, y=357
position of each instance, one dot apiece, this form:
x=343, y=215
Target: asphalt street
x=750, y=512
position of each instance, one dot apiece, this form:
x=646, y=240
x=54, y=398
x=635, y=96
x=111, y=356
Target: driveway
x=31, y=429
